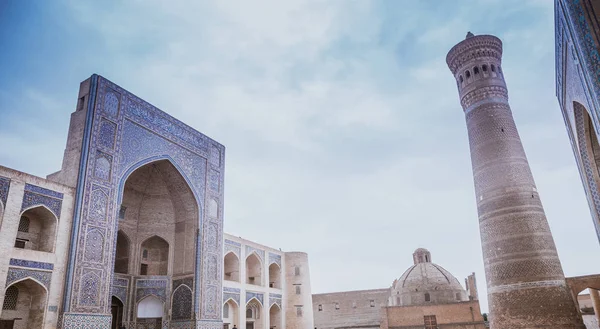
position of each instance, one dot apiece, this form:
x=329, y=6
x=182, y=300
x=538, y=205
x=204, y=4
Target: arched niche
x=155, y=256
x=231, y=267
x=253, y=270
x=275, y=317
x=150, y=312
x=231, y=313
x=116, y=309
x=37, y=229
x=274, y=276
x=122, y=253
x=25, y=300
x=181, y=303
x=254, y=317
x=158, y=201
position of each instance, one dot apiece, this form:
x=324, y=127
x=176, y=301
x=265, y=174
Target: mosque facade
x=577, y=37
x=129, y=233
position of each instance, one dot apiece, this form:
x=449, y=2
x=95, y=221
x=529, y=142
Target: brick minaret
x=525, y=281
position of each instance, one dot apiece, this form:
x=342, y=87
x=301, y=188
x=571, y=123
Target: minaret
x=525, y=280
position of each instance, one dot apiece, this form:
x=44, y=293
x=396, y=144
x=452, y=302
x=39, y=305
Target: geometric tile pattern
x=85, y=321
x=182, y=303
x=16, y=274
x=35, y=195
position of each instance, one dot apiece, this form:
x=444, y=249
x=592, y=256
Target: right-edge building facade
x=525, y=280
x=578, y=89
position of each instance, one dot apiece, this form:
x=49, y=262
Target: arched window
x=249, y=313
x=484, y=67
x=37, y=230
x=476, y=70
x=460, y=78
x=468, y=74
x=24, y=224
x=493, y=68
x=427, y=297
x=10, y=298
x=226, y=310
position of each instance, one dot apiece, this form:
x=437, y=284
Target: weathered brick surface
x=526, y=285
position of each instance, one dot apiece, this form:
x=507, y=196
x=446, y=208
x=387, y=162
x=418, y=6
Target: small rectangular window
x=337, y=306
x=122, y=211
x=145, y=254
x=80, y=103
x=144, y=269
x=430, y=322
x=299, y=311
x=320, y=307
x=372, y=302
x=298, y=292
x=20, y=243
x=353, y=304
x=297, y=270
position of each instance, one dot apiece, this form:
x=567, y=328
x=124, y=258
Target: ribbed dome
x=426, y=283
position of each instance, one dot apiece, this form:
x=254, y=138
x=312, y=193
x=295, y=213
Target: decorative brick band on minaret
x=525, y=280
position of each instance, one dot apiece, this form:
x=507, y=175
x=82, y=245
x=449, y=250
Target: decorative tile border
x=257, y=295
x=151, y=283
x=31, y=199
x=232, y=246
x=274, y=258
x=260, y=253
x=275, y=299
x=233, y=293
x=43, y=191
x=31, y=264
x=18, y=274
x=85, y=321
x=4, y=186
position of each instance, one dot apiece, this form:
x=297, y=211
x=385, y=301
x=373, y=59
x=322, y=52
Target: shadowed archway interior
x=158, y=221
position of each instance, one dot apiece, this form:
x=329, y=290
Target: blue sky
x=344, y=133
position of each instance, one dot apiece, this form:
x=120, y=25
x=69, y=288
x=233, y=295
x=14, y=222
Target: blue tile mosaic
x=257, y=295
x=274, y=258
x=32, y=199
x=182, y=303
x=31, y=264
x=151, y=283
x=43, y=191
x=233, y=243
x=4, y=186
x=18, y=274
x=128, y=133
x=187, y=281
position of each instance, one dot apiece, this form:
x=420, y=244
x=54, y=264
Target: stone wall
x=464, y=315
x=349, y=309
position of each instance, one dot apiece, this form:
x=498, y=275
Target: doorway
x=116, y=308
